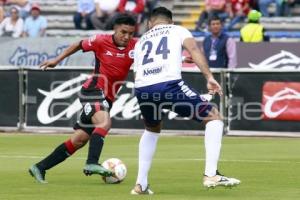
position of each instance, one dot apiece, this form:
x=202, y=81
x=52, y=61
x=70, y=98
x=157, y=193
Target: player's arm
x=67, y=52
x=190, y=45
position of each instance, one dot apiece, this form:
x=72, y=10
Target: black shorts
x=92, y=101
x=172, y=95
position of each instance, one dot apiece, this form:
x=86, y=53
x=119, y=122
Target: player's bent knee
x=102, y=120
x=214, y=114
x=104, y=125
x=79, y=139
x=155, y=129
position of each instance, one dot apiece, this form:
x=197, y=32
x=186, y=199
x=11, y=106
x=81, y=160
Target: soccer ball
x=119, y=169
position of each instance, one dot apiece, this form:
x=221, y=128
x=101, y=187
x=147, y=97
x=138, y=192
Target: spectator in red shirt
x=2, y=16
x=2, y=3
x=114, y=56
x=133, y=6
x=136, y=7
x=238, y=11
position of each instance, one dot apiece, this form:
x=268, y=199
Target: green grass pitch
x=269, y=169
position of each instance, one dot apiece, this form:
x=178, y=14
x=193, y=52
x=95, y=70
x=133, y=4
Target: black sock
x=95, y=148
x=56, y=157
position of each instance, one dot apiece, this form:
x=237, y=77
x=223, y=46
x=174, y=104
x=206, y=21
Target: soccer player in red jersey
x=114, y=56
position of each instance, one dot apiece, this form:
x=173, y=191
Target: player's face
x=215, y=26
x=123, y=33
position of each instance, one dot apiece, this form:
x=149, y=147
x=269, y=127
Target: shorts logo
x=105, y=104
x=131, y=54
x=87, y=108
x=186, y=90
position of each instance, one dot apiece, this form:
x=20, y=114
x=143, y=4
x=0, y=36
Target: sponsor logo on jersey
x=152, y=71
x=120, y=55
x=108, y=53
x=281, y=101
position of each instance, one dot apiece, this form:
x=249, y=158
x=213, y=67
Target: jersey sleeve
x=183, y=33
x=91, y=43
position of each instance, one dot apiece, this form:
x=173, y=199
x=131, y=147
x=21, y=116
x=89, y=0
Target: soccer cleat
x=219, y=180
x=137, y=190
x=38, y=174
x=90, y=169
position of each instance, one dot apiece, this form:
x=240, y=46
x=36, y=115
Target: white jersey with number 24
x=157, y=55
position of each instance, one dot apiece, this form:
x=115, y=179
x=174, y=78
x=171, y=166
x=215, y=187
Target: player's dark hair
x=161, y=12
x=125, y=19
x=214, y=18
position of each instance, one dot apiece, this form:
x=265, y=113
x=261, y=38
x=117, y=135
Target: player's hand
x=48, y=64
x=214, y=87
x=188, y=60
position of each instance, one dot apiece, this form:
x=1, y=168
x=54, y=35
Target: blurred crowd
x=21, y=18
x=99, y=14
x=237, y=10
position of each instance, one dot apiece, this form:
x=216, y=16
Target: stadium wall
x=255, y=102
x=31, y=52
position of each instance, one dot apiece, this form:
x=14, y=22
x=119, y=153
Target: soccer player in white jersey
x=158, y=85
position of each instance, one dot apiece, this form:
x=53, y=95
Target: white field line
x=4, y=156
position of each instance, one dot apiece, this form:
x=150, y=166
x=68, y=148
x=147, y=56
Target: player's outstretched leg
x=95, y=148
x=61, y=153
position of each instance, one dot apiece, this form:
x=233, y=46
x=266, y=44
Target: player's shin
x=61, y=152
x=213, y=142
x=96, y=145
x=147, y=147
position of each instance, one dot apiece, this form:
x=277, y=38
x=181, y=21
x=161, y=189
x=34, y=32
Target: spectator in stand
x=2, y=3
x=105, y=11
x=134, y=6
x=238, y=10
x=264, y=5
x=212, y=7
x=253, y=31
x=12, y=26
x=24, y=6
x=149, y=6
x=2, y=14
x=35, y=25
x=287, y=6
x=85, y=9
x=254, y=4
x=219, y=49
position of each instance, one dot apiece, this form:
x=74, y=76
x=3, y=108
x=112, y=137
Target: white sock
x=213, y=142
x=147, y=148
